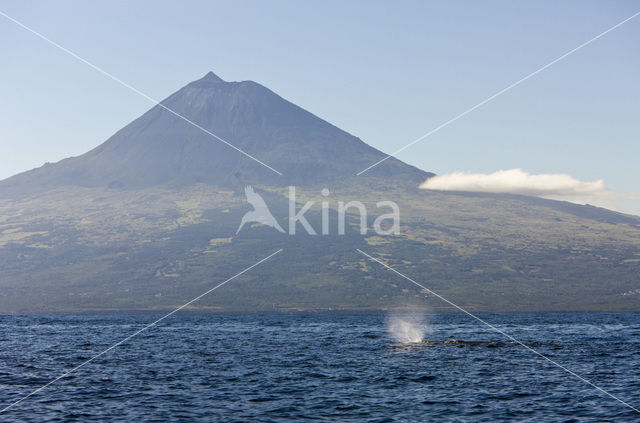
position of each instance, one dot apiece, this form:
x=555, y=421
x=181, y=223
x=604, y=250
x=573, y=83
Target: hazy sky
x=386, y=72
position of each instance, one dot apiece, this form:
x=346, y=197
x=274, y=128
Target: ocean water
x=319, y=367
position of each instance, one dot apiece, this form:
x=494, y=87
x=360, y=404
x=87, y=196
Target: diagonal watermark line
x=501, y=332
x=135, y=90
x=136, y=333
x=499, y=93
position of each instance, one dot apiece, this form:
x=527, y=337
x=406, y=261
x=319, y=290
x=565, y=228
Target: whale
x=456, y=341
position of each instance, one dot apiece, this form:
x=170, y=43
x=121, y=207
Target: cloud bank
x=514, y=181
x=551, y=186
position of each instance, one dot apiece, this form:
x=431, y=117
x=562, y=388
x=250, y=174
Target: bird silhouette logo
x=260, y=212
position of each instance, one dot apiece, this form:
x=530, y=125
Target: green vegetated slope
x=78, y=248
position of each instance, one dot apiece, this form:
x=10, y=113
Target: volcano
x=151, y=219
x=185, y=140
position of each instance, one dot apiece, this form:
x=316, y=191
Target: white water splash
x=407, y=326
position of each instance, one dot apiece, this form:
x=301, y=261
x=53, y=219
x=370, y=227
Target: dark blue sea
x=319, y=367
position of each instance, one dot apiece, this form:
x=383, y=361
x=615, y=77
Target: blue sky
x=386, y=72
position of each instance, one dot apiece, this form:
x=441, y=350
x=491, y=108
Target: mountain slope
x=74, y=249
x=148, y=220
x=160, y=148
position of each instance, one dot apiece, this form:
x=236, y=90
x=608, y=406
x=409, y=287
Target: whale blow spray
x=407, y=326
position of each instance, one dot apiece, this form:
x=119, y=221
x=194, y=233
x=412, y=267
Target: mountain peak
x=211, y=77
x=159, y=148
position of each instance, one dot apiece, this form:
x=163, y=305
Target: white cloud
x=552, y=186
x=514, y=181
